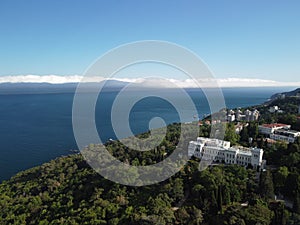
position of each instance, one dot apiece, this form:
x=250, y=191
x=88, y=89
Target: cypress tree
x=296, y=205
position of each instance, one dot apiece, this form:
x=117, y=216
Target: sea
x=36, y=127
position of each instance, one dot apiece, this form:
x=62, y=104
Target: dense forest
x=67, y=191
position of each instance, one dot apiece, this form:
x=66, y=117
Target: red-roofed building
x=270, y=128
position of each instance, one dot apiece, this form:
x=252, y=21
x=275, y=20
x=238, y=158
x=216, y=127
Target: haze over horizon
x=150, y=82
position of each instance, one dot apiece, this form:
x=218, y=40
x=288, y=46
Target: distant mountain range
x=151, y=81
x=35, y=88
x=109, y=85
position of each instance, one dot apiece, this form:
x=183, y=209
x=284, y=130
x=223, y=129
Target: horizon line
x=152, y=82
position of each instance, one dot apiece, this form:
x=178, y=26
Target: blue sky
x=246, y=39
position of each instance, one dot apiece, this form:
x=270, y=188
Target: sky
x=236, y=39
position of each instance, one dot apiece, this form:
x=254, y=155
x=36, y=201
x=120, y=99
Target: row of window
x=242, y=163
x=229, y=161
x=212, y=153
x=243, y=158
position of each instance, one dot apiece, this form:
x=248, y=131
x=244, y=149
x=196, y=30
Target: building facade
x=216, y=150
x=285, y=135
x=270, y=128
x=237, y=115
x=279, y=132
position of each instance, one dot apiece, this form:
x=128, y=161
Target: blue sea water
x=35, y=128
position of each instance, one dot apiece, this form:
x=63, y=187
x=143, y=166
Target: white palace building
x=216, y=150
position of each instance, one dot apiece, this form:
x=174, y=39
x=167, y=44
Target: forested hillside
x=68, y=191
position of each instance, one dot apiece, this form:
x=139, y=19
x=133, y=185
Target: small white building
x=273, y=109
x=238, y=114
x=285, y=135
x=270, y=128
x=231, y=118
x=215, y=150
x=254, y=115
x=239, y=127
